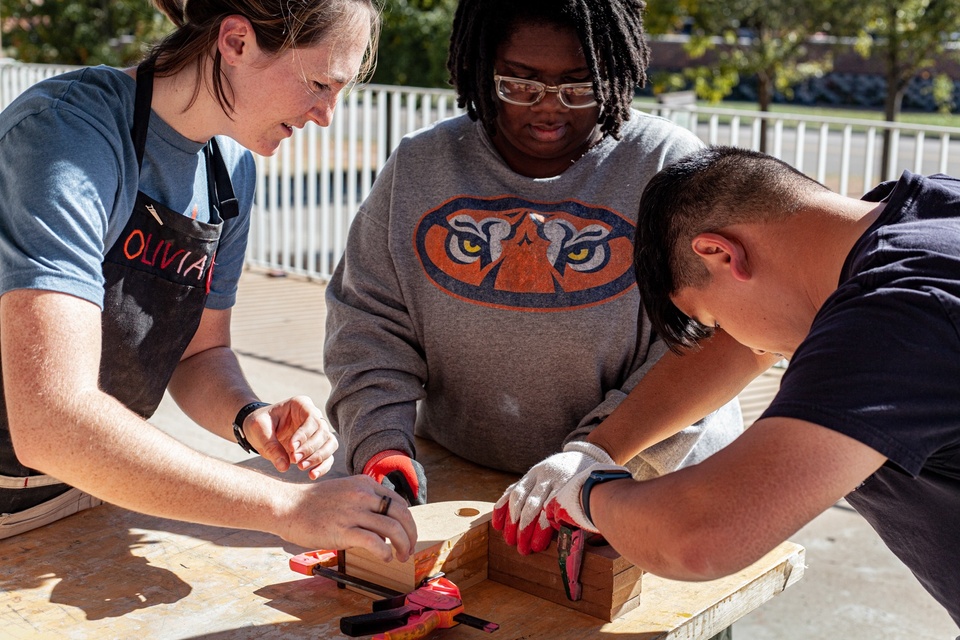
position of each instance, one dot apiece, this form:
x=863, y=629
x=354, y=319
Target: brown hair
x=279, y=25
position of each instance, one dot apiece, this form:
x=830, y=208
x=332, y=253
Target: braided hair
x=610, y=32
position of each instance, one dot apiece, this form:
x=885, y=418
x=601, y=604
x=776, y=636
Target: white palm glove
x=520, y=514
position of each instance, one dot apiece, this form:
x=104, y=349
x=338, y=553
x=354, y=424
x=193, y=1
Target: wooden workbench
x=112, y=573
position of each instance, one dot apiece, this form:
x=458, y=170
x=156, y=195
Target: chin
x=266, y=152
x=261, y=145
x=264, y=148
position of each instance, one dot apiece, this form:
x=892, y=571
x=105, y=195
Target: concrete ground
x=853, y=587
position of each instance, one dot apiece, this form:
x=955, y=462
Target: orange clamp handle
x=305, y=562
x=419, y=626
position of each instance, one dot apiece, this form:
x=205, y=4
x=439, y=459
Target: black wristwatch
x=599, y=477
x=238, y=425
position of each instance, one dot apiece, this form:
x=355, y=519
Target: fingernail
x=297, y=456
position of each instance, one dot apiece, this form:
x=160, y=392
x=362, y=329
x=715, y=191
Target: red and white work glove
x=520, y=512
x=566, y=506
x=399, y=472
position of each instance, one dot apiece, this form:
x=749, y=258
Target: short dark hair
x=703, y=192
x=610, y=32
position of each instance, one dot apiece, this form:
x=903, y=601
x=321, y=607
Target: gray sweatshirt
x=498, y=314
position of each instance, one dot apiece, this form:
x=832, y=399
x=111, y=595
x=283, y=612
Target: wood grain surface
x=112, y=573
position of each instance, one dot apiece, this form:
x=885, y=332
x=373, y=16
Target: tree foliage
x=414, y=42
x=109, y=32
x=412, y=51
x=766, y=39
x=908, y=36
x=742, y=39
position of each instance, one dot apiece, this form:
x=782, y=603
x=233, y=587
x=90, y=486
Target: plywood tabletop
x=112, y=573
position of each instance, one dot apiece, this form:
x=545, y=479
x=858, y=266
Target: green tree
x=764, y=39
x=908, y=36
x=109, y=32
x=414, y=42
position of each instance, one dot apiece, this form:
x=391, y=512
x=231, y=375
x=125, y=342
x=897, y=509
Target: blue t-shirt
x=69, y=179
x=882, y=365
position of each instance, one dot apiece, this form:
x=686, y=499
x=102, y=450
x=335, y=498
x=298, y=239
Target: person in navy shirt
x=863, y=298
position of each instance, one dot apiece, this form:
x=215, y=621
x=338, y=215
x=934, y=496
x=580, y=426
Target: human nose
x=550, y=99
x=322, y=112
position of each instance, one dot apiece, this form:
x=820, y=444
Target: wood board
x=455, y=538
x=610, y=584
x=451, y=539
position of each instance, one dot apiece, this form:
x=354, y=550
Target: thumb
x=271, y=449
x=557, y=514
x=275, y=453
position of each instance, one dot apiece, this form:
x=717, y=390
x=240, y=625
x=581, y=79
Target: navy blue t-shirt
x=882, y=365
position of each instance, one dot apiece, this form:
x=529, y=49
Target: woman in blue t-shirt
x=122, y=188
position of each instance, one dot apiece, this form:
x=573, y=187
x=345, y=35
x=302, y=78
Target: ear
x=236, y=39
x=721, y=253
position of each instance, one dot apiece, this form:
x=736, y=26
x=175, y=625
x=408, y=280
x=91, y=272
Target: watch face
x=605, y=474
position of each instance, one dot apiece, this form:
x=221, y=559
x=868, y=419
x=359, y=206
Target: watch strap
x=595, y=478
x=238, y=433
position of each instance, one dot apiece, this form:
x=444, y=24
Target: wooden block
x=454, y=538
x=451, y=538
x=611, y=585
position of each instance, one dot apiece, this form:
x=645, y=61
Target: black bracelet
x=238, y=425
x=595, y=478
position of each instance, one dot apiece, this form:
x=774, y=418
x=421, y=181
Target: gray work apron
x=157, y=277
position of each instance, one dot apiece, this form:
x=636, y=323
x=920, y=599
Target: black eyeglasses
x=526, y=93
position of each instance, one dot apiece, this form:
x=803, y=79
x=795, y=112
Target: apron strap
x=27, y=482
x=141, y=108
x=220, y=190
x=222, y=198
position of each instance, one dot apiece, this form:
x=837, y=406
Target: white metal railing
x=309, y=191
x=843, y=153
